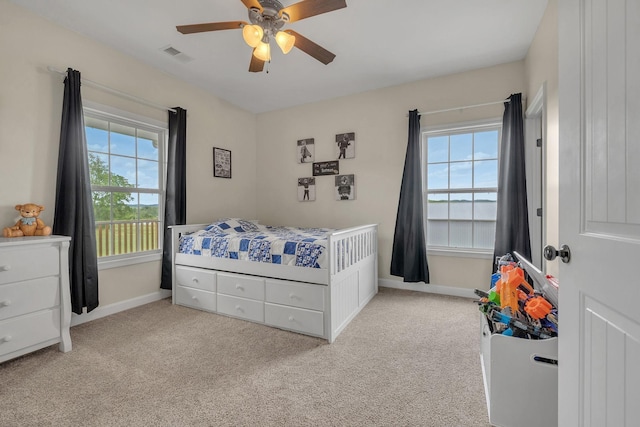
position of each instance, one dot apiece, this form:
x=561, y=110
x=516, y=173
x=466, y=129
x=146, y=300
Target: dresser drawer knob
x=239, y=309
x=239, y=286
x=6, y=338
x=194, y=280
x=195, y=298
x=291, y=319
x=5, y=267
x=5, y=303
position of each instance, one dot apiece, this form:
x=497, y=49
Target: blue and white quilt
x=245, y=240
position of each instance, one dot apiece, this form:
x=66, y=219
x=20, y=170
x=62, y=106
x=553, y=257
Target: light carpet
x=408, y=359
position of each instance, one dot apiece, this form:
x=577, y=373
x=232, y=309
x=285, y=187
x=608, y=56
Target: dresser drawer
x=196, y=278
x=241, y=307
x=28, y=262
x=294, y=319
x=196, y=298
x=21, y=332
x=241, y=286
x=27, y=297
x=295, y=294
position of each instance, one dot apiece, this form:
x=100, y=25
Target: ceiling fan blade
x=256, y=64
x=252, y=3
x=308, y=8
x=311, y=48
x=212, y=26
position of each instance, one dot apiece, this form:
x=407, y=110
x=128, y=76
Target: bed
x=312, y=281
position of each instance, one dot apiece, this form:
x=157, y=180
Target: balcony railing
x=125, y=237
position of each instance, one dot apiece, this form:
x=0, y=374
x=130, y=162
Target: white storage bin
x=521, y=375
x=521, y=385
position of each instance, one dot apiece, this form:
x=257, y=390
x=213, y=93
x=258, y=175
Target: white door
x=599, y=96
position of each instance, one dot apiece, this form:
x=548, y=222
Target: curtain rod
x=462, y=108
x=115, y=91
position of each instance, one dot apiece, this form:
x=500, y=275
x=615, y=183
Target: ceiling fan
x=267, y=18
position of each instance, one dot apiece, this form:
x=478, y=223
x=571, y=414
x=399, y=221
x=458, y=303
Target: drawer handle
x=5, y=267
x=291, y=319
x=194, y=280
x=195, y=298
x=239, y=309
x=5, y=303
x=6, y=338
x=239, y=286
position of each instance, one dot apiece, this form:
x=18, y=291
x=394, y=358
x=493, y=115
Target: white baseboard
x=428, y=287
x=77, y=319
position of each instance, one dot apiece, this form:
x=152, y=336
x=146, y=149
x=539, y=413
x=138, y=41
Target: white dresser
x=35, y=302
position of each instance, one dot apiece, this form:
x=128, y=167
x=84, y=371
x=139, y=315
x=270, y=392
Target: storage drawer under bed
x=294, y=319
x=196, y=278
x=195, y=298
x=295, y=294
x=241, y=286
x=241, y=307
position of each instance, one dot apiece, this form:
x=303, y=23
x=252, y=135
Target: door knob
x=550, y=253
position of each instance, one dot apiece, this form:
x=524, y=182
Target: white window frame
x=112, y=114
x=470, y=126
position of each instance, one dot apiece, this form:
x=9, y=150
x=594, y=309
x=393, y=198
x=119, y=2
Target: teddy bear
x=29, y=224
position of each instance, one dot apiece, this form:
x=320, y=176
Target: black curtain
x=175, y=208
x=512, y=220
x=74, y=208
x=409, y=255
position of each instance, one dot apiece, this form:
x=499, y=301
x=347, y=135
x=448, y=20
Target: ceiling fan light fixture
x=263, y=52
x=252, y=34
x=285, y=41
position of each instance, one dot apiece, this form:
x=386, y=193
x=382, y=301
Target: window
x=461, y=186
x=126, y=169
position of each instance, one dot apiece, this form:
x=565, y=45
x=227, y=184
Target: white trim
x=107, y=310
x=428, y=288
x=460, y=253
x=462, y=126
x=118, y=261
x=536, y=115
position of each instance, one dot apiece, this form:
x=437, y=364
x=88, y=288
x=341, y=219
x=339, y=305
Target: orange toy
x=538, y=307
x=511, y=279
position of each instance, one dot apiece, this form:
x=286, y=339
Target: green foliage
x=102, y=200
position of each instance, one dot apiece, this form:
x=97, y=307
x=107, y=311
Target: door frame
x=536, y=173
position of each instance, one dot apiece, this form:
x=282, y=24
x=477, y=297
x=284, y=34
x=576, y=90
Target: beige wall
x=30, y=111
x=541, y=66
x=379, y=119
x=264, y=162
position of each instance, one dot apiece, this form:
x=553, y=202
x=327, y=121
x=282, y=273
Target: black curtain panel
x=74, y=207
x=409, y=255
x=512, y=219
x=175, y=207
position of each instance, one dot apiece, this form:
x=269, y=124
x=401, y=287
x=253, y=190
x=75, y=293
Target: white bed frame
x=312, y=301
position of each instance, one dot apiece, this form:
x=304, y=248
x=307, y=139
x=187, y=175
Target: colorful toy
x=510, y=287
x=538, y=307
x=29, y=224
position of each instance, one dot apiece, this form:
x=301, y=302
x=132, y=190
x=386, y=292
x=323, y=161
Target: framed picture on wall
x=221, y=163
x=345, y=187
x=306, y=189
x=305, y=150
x=346, y=145
x=331, y=167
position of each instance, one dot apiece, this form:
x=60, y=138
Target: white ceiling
x=378, y=43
